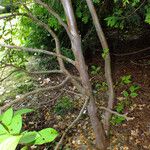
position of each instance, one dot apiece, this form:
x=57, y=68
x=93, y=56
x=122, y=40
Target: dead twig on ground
x=72, y=124
x=116, y=113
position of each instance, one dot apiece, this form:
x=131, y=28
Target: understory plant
x=63, y=106
x=125, y=101
x=11, y=134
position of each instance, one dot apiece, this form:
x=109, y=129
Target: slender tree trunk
x=107, y=62
x=81, y=66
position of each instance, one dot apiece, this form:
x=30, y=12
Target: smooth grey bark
x=108, y=76
x=81, y=66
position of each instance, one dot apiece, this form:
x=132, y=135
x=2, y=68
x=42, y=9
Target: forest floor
x=124, y=135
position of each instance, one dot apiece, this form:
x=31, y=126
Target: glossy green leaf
x=16, y=125
x=46, y=135
x=23, y=111
x=29, y=137
x=7, y=117
x=10, y=143
x=3, y=130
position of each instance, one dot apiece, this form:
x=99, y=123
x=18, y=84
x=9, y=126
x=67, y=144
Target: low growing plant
x=95, y=70
x=126, y=79
x=11, y=134
x=131, y=92
x=118, y=119
x=64, y=105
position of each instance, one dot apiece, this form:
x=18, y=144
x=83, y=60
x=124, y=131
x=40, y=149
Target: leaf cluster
x=11, y=131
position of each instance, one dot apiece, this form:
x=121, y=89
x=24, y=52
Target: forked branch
x=23, y=98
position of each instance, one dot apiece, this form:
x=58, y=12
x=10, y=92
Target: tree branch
x=8, y=75
x=33, y=72
x=116, y=113
x=12, y=15
x=37, y=50
x=51, y=11
x=72, y=124
x=132, y=53
x=22, y=98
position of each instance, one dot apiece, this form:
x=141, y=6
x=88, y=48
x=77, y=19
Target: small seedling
x=126, y=79
x=132, y=92
x=118, y=119
x=95, y=70
x=100, y=87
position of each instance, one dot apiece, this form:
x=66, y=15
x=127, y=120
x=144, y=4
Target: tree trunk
x=81, y=66
x=107, y=62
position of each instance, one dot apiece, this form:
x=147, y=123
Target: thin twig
x=52, y=100
x=8, y=75
x=116, y=113
x=19, y=48
x=22, y=98
x=75, y=93
x=51, y=11
x=131, y=53
x=72, y=124
x=139, y=64
x=134, y=11
x=12, y=15
x=33, y=72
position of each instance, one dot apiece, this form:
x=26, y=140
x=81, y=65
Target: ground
x=128, y=135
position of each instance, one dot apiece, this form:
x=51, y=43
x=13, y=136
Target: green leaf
x=46, y=135
x=126, y=79
x=23, y=111
x=10, y=143
x=24, y=148
x=125, y=93
x=29, y=137
x=1, y=116
x=134, y=88
x=120, y=107
x=4, y=137
x=7, y=117
x=105, y=52
x=133, y=94
x=16, y=125
x=2, y=130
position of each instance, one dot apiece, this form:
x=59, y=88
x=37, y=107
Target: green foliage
x=115, y=120
x=105, y=52
x=25, y=87
x=11, y=134
x=68, y=53
x=131, y=92
x=126, y=79
x=100, y=86
x=125, y=14
x=63, y=106
x=147, y=15
x=95, y=70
